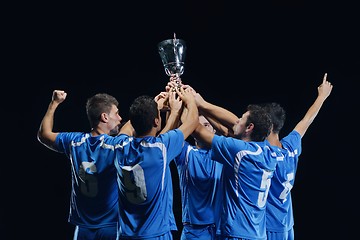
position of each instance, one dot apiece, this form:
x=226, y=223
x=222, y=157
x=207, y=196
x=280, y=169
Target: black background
x=236, y=54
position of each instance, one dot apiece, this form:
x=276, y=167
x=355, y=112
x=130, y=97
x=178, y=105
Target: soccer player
x=279, y=209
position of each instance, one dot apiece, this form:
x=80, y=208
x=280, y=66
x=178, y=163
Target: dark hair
x=261, y=120
x=142, y=113
x=277, y=115
x=98, y=104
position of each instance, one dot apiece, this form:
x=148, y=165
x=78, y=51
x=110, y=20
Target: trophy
x=172, y=53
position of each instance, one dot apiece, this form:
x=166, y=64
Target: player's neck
x=274, y=140
x=97, y=132
x=152, y=133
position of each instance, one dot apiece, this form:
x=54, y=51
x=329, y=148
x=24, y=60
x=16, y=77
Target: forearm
x=324, y=91
x=220, y=128
x=127, y=129
x=310, y=115
x=203, y=135
x=45, y=133
x=223, y=117
x=192, y=120
x=172, y=121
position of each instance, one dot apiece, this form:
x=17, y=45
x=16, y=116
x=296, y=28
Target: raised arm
x=203, y=135
x=161, y=99
x=192, y=116
x=174, y=113
x=45, y=133
x=220, y=118
x=127, y=129
x=324, y=91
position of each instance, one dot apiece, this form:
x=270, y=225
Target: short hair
x=277, y=114
x=142, y=113
x=98, y=104
x=261, y=120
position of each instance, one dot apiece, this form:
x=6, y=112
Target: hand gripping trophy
x=172, y=53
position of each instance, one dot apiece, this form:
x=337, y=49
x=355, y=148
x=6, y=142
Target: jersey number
x=287, y=187
x=134, y=183
x=88, y=182
x=265, y=184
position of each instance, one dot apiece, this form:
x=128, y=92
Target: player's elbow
x=41, y=137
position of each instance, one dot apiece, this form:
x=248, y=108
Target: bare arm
x=220, y=128
x=324, y=91
x=45, y=133
x=161, y=100
x=127, y=129
x=173, y=117
x=220, y=118
x=203, y=135
x=192, y=116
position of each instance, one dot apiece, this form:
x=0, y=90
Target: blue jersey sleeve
x=64, y=139
x=174, y=141
x=292, y=142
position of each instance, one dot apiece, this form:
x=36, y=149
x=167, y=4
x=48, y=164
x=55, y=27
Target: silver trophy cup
x=172, y=53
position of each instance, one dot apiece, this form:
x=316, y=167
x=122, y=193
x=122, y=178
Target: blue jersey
x=145, y=183
x=247, y=171
x=200, y=185
x=279, y=210
x=94, y=195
